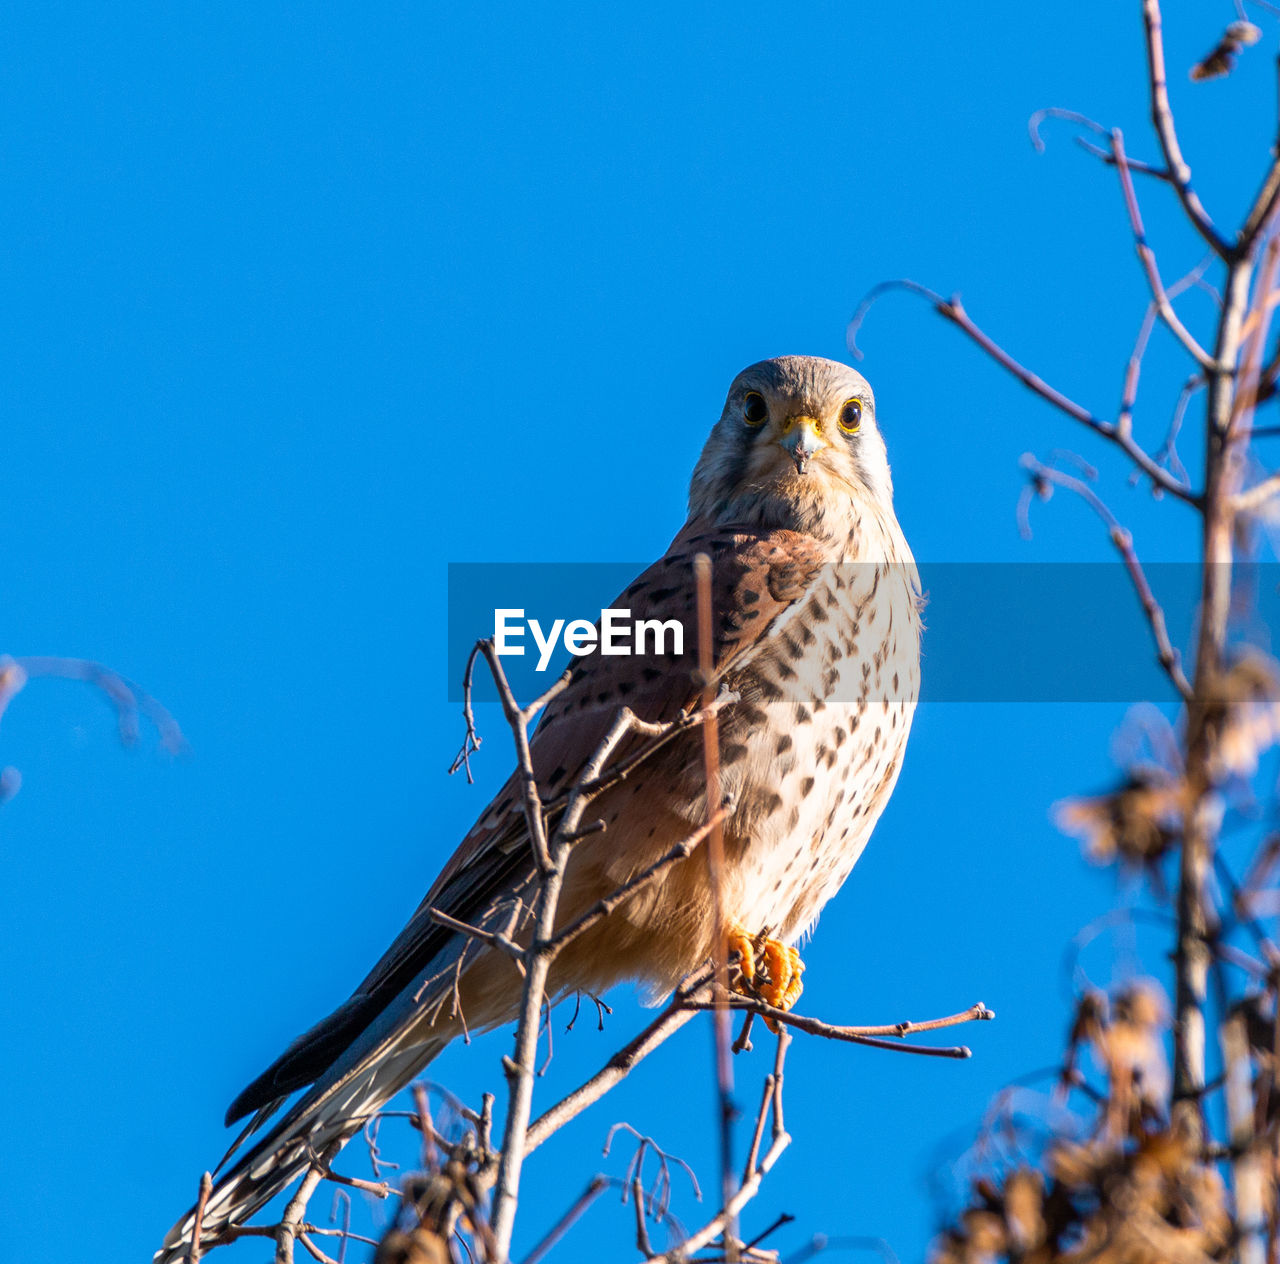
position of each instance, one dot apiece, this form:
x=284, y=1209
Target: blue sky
x=300, y=306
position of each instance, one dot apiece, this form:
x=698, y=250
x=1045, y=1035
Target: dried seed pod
x=1221, y=59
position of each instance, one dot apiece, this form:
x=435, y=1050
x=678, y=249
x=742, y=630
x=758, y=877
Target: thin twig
x=604, y=906
x=472, y=740
x=1135, y=164
x=723, y=1221
x=314, y=1251
x=1168, y=657
x=1083, y=120
x=1056, y=112
x=851, y=1035
x=206, y=1188
x=1168, y=452
x=1133, y=370
x=379, y=1189
x=953, y=310
x=1179, y=174
x=129, y=700
x=491, y=937
x=596, y=1186
x=291, y=1223
x=659, y=736
x=1148, y=259
x=753, y=1151
x=618, y=1067
x=518, y=720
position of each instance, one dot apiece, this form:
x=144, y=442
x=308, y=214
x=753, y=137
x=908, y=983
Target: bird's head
x=796, y=443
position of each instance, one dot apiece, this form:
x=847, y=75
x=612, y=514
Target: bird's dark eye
x=851, y=416
x=754, y=409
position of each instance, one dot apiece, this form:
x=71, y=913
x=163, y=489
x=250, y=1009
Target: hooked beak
x=801, y=441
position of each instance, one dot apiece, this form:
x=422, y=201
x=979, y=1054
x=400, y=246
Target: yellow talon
x=769, y=970
x=796, y=986
x=783, y=986
x=743, y=946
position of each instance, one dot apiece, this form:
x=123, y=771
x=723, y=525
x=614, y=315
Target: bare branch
x=953, y=310
x=1255, y=329
x=620, y=1065
x=857, y=1035
x=595, y=1188
x=757, y=1135
x=1135, y=164
x=520, y=1069
x=1168, y=453
x=1121, y=537
x=715, y=879
x=1035, y=122
x=1148, y=259
x=1162, y=120
x=290, y=1225
x=206, y=1188
x=603, y=907
x=518, y=720
x=659, y=736
x=471, y=740
x=1105, y=155
x=723, y=1221
x=493, y=938
x=379, y=1189
x=1133, y=371
x=314, y=1251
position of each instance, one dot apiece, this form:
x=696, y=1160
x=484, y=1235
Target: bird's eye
x=851, y=416
x=754, y=409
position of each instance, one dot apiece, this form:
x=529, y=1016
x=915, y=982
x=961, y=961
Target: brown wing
x=756, y=575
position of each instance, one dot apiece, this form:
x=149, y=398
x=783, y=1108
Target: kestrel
x=817, y=629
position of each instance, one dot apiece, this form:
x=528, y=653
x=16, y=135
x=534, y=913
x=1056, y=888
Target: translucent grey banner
x=1006, y=632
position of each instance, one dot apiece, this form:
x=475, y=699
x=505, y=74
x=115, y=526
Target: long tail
x=387, y=1055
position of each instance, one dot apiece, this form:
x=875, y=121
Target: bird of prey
x=816, y=629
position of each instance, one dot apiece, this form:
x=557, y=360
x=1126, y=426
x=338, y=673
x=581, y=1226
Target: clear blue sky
x=298, y=307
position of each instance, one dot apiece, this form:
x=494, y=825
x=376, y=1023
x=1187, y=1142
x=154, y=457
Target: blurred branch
x=596, y=1187
x=131, y=702
x=723, y=1037
x=1247, y=1173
